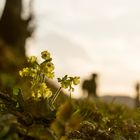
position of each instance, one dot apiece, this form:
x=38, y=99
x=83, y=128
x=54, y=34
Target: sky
x=86, y=36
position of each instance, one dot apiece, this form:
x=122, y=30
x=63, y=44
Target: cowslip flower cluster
x=32, y=59
x=38, y=74
x=32, y=72
x=67, y=82
x=47, y=69
x=42, y=91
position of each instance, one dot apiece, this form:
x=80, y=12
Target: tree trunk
x=13, y=34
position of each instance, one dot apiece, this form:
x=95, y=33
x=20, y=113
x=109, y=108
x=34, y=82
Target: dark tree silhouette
x=90, y=86
x=14, y=30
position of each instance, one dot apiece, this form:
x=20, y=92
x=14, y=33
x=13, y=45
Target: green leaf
x=16, y=91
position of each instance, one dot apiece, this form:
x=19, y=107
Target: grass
x=80, y=119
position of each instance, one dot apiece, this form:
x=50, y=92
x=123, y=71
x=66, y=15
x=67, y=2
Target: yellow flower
x=50, y=75
x=67, y=82
x=24, y=72
x=43, y=86
x=36, y=95
x=32, y=59
x=47, y=93
x=76, y=80
x=33, y=94
x=42, y=91
x=45, y=55
x=21, y=73
x=33, y=72
x=47, y=69
x=50, y=66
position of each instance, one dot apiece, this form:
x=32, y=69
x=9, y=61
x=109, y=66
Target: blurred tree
x=14, y=30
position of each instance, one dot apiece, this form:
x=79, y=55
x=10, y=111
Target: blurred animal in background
x=89, y=86
x=137, y=99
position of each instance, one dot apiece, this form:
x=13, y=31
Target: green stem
x=70, y=95
x=56, y=95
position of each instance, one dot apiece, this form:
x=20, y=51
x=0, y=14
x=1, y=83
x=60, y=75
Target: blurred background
x=88, y=36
